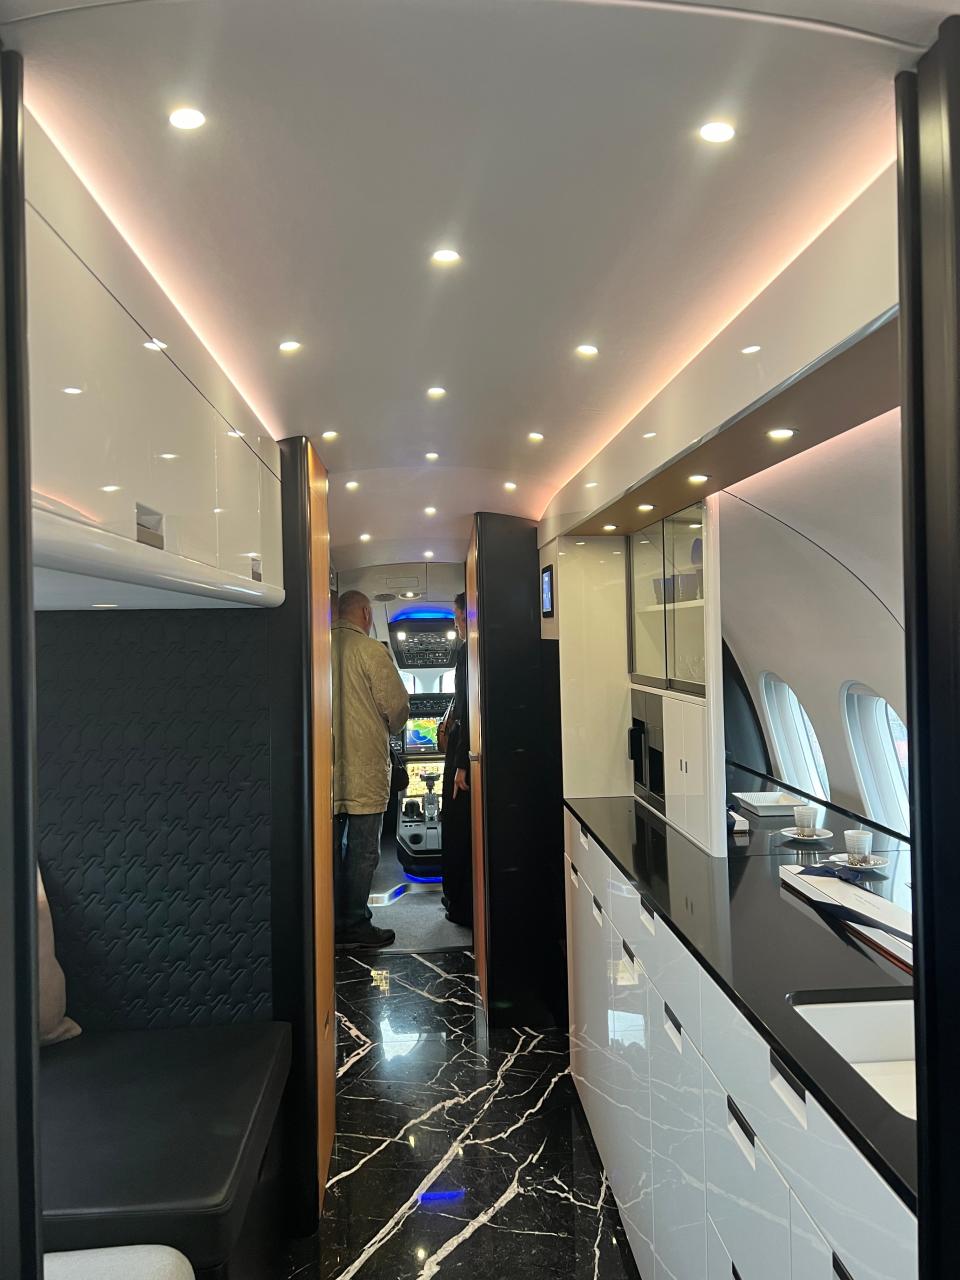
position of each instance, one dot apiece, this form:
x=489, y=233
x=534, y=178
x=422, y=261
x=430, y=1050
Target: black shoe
x=366, y=937
x=463, y=923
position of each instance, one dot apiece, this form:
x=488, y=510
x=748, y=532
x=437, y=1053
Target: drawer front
x=811, y=1258
x=589, y=859
x=634, y=921
x=747, y=1198
x=679, y=1204
x=737, y=1055
x=718, y=1260
x=676, y=975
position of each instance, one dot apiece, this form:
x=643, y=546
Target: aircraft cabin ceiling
x=553, y=143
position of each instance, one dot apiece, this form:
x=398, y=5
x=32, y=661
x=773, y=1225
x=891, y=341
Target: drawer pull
x=672, y=1026
x=839, y=1270
x=735, y=1274
x=741, y=1132
x=574, y=874
x=788, y=1089
x=583, y=837
x=597, y=911
x=647, y=917
x=629, y=954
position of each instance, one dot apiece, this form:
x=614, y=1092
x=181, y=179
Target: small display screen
x=421, y=734
x=416, y=770
x=546, y=591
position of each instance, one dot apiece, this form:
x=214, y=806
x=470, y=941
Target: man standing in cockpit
x=454, y=738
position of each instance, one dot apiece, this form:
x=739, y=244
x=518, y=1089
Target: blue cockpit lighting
x=419, y=615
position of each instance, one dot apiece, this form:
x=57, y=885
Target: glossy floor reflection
x=455, y=1157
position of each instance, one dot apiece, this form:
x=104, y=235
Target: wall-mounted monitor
x=546, y=591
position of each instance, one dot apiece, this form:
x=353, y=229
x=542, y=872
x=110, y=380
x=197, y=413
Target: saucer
x=793, y=833
x=873, y=865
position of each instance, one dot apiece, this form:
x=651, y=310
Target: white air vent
x=149, y=527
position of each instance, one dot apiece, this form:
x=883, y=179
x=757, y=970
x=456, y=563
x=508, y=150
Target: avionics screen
x=416, y=769
x=546, y=591
x=420, y=734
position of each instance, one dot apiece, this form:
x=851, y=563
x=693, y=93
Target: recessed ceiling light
x=645, y=506
x=534, y=436
x=586, y=351
x=781, y=433
x=109, y=488
x=698, y=479
x=352, y=484
x=581, y=544
x=591, y=484
x=401, y=636
x=428, y=555
x=609, y=528
x=749, y=351
x=445, y=257
x=365, y=537
x=155, y=345
x=436, y=393
x=509, y=485
x=103, y=606
x=73, y=391
x=187, y=118
x=289, y=345
x=429, y=511
x=431, y=457
x=329, y=435
x=648, y=435
x=169, y=457
x=410, y=595
x=717, y=131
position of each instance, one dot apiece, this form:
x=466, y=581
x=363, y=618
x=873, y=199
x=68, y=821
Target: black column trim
x=928, y=126
x=20, y=1252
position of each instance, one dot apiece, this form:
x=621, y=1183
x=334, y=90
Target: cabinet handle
x=735, y=1274
x=628, y=953
x=741, y=1132
x=788, y=1089
x=574, y=874
x=839, y=1270
x=597, y=911
x=740, y=1120
x=672, y=1026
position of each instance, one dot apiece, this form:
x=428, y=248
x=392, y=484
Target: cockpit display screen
x=420, y=735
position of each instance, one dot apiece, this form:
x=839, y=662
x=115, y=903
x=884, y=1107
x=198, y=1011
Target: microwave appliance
x=646, y=748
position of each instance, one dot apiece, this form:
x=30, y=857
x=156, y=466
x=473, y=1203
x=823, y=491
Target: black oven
x=646, y=748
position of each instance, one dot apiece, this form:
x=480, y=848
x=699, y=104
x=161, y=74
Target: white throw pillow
x=54, y=1024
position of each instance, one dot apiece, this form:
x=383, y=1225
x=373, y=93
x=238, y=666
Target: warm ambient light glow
x=436, y=393
x=431, y=457
x=698, y=479
x=329, y=435
x=103, y=606
x=580, y=544
x=428, y=555
x=187, y=118
x=645, y=506
x=717, y=131
x=235, y=435
x=696, y=526
x=586, y=351
x=352, y=484
x=648, y=435
x=169, y=457
x=109, y=488
x=781, y=433
x=73, y=391
x=429, y=511
x=509, y=485
x=749, y=351
x=609, y=528
x=534, y=436
x=289, y=345
x=591, y=484
x=445, y=257
x=155, y=345
x=365, y=537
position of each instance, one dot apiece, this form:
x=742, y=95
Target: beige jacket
x=369, y=703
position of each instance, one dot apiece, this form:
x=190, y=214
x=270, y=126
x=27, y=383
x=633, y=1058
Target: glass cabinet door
x=651, y=588
x=683, y=561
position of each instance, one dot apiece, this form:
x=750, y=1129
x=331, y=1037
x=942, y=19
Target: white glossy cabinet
x=811, y=1258
x=719, y=1266
x=747, y=1199
x=271, y=528
x=684, y=766
x=629, y=1162
x=590, y=960
x=679, y=1206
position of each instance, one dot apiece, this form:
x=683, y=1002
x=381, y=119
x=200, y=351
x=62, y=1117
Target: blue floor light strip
x=424, y=879
x=427, y=1196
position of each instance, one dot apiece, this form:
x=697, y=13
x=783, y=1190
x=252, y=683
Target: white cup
x=858, y=845
x=805, y=819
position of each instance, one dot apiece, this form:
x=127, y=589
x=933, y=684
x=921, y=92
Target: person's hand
x=460, y=782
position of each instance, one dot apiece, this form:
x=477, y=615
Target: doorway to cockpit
x=414, y=619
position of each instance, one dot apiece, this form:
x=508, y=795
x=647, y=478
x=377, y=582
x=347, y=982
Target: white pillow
x=54, y=1024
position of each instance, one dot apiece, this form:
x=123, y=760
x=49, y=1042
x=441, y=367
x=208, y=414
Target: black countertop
x=763, y=944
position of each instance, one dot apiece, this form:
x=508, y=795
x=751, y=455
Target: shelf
x=680, y=604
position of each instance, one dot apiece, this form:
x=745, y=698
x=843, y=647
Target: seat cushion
x=157, y=1137
x=138, y=1262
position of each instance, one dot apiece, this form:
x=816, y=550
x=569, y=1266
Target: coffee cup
x=858, y=845
x=805, y=819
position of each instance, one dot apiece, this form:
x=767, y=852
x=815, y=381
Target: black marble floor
x=456, y=1157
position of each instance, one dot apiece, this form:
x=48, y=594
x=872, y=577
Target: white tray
x=768, y=804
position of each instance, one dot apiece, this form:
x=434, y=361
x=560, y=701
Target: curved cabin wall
x=148, y=466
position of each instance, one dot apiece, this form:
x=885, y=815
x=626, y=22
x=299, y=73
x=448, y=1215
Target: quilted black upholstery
x=154, y=813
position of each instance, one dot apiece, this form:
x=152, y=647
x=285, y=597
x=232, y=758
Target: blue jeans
x=356, y=852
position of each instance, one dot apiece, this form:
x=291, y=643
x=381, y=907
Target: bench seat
x=158, y=1137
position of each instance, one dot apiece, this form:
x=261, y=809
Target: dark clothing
x=356, y=852
x=455, y=813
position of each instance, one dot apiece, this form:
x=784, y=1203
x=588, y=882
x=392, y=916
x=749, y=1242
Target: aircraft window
x=879, y=746
x=795, y=742
x=409, y=681
x=447, y=681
